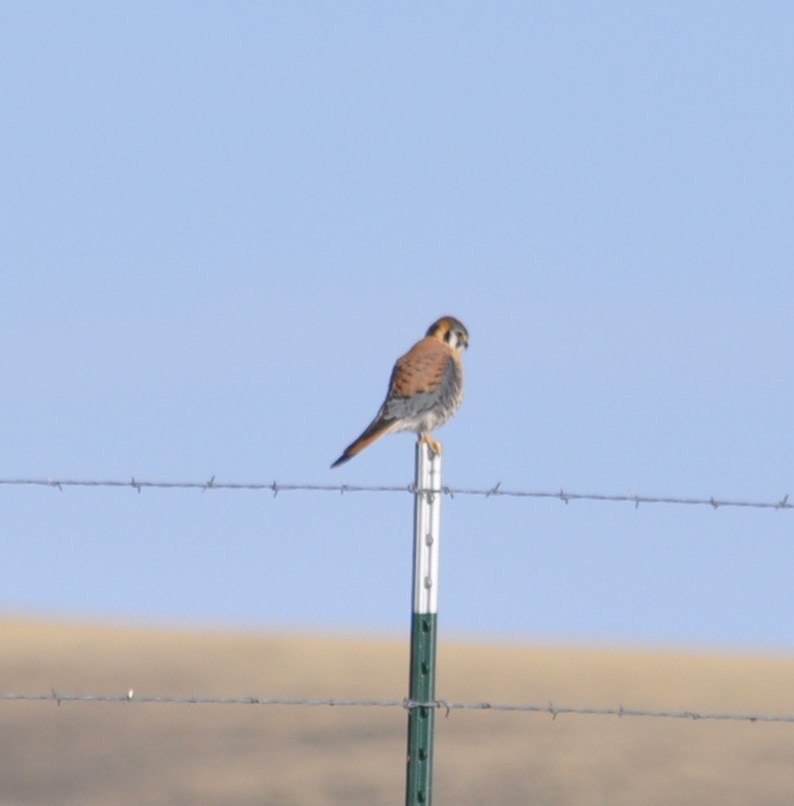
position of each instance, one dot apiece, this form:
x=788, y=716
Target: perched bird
x=425, y=389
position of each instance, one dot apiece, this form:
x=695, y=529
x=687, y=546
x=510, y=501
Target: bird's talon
x=434, y=446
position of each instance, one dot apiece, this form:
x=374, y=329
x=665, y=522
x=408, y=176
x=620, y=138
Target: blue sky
x=221, y=223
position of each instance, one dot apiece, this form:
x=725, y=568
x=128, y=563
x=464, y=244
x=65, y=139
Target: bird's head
x=451, y=331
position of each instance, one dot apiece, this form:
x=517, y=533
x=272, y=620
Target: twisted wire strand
x=496, y=491
x=441, y=705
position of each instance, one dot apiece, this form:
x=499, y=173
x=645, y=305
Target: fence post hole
x=422, y=680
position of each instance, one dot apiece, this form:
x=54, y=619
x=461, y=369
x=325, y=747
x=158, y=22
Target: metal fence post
x=422, y=681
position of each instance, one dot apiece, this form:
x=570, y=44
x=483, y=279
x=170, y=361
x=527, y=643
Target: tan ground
x=120, y=753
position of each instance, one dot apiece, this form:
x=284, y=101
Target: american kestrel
x=425, y=389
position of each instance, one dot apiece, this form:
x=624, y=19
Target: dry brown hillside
x=135, y=753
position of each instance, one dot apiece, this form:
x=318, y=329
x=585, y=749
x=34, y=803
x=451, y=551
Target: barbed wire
x=496, y=491
x=440, y=705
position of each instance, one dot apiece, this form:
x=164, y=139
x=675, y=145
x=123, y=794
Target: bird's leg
x=433, y=444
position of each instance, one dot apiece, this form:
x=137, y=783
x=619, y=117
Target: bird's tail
x=376, y=429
